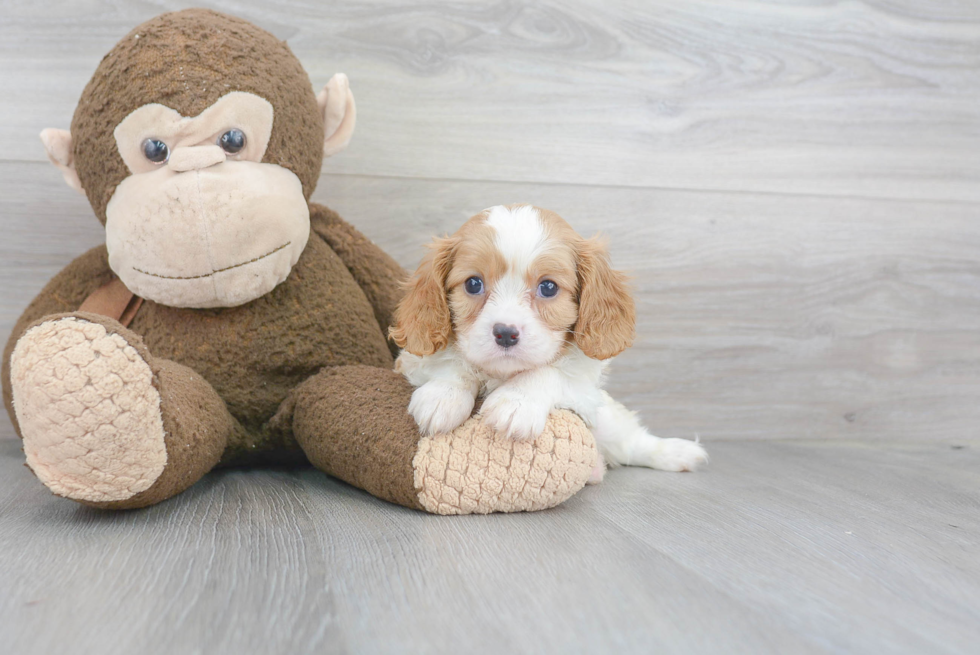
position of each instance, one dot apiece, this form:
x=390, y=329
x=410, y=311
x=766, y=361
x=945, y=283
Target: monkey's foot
x=88, y=411
x=352, y=422
x=473, y=470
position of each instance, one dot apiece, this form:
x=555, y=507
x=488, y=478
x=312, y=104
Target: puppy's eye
x=547, y=289
x=232, y=141
x=156, y=151
x=474, y=286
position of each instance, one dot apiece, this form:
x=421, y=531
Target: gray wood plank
x=862, y=539
x=875, y=98
x=777, y=547
x=760, y=315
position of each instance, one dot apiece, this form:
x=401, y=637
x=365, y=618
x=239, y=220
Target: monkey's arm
x=64, y=293
x=377, y=273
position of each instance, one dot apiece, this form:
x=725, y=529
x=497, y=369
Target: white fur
x=524, y=383
x=520, y=235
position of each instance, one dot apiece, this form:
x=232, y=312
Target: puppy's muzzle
x=506, y=335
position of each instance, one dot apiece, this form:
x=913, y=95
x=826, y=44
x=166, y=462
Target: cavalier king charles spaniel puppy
x=520, y=309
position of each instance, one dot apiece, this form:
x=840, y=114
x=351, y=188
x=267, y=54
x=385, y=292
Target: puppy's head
x=513, y=286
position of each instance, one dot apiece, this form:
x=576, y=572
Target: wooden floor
x=780, y=547
x=795, y=188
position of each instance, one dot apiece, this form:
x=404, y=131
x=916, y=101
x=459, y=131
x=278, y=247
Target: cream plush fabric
x=473, y=471
x=88, y=411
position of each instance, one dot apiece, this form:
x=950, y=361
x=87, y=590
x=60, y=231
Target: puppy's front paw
x=598, y=471
x=676, y=455
x=515, y=414
x=439, y=407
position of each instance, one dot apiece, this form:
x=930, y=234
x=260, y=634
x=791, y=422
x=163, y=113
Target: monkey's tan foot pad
x=88, y=411
x=472, y=470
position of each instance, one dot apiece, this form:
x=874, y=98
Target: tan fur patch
x=473, y=471
x=607, y=314
x=423, y=324
x=560, y=312
x=88, y=411
x=476, y=255
x=434, y=298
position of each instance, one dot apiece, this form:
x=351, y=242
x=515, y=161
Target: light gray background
x=795, y=188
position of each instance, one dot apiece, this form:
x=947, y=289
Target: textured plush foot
x=472, y=470
x=88, y=411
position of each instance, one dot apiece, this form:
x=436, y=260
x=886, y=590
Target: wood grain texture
x=760, y=315
x=778, y=547
x=794, y=187
x=876, y=98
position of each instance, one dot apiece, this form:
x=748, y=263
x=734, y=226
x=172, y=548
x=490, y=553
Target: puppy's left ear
x=606, y=312
x=339, y=114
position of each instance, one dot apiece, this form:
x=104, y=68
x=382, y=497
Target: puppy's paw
x=515, y=414
x=674, y=455
x=598, y=471
x=440, y=407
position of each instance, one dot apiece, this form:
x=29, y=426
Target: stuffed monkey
x=227, y=320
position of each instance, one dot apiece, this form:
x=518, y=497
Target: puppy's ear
x=423, y=323
x=606, y=313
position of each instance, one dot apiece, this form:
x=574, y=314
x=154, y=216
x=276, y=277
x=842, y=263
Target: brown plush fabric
x=373, y=268
x=307, y=365
x=186, y=60
x=64, y=293
x=197, y=426
x=255, y=354
x=352, y=423
x=235, y=366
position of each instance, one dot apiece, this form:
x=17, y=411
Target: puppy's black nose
x=505, y=335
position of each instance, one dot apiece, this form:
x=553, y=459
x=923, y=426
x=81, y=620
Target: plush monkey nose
x=192, y=158
x=506, y=335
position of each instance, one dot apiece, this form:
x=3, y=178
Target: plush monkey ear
x=57, y=143
x=423, y=323
x=606, y=322
x=339, y=114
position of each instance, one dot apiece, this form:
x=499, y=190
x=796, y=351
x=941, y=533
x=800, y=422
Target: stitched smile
x=220, y=270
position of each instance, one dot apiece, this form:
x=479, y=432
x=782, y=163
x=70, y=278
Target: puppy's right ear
x=423, y=323
x=58, y=145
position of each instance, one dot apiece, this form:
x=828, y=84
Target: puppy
x=518, y=307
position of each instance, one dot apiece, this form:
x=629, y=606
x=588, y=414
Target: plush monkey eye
x=474, y=286
x=156, y=151
x=547, y=289
x=232, y=141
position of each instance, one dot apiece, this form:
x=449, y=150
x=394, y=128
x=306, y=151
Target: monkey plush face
x=198, y=142
x=232, y=225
